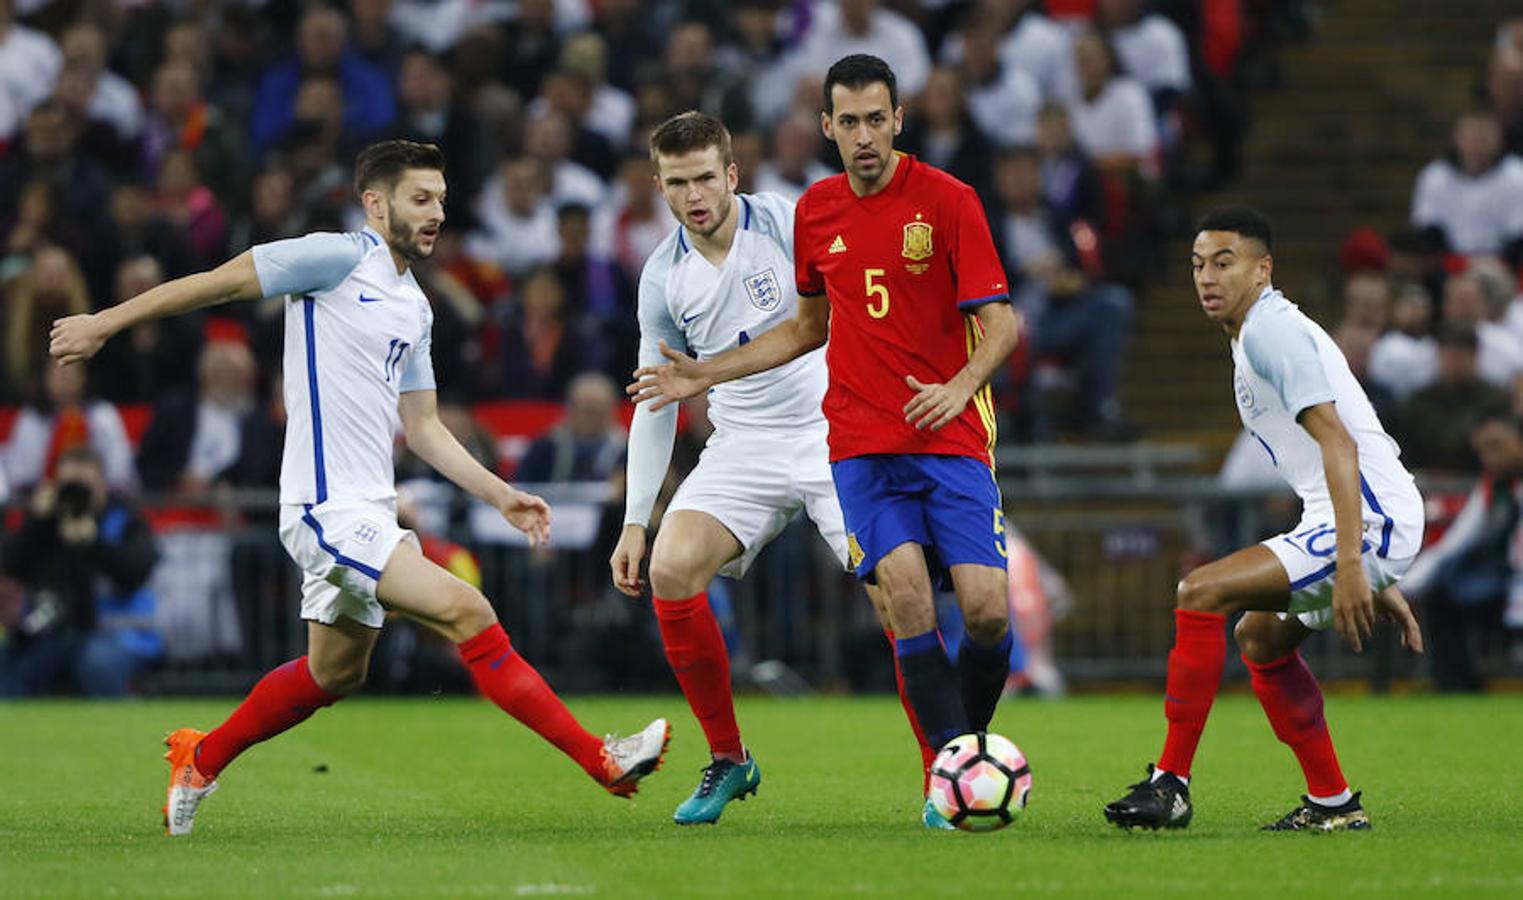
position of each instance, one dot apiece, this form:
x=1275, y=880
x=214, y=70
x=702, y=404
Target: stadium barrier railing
x=1117, y=543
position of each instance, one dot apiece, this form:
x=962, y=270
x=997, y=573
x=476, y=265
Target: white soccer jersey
x=357, y=337
x=704, y=311
x=1284, y=363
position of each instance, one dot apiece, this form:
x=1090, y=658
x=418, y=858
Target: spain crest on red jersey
x=917, y=240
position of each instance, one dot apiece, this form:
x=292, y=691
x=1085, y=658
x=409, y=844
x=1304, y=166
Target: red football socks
x=286, y=696
x=695, y=648
x=511, y=683
x=1195, y=674
x=1292, y=700
x=927, y=752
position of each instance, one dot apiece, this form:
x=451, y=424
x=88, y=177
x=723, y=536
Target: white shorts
x=1307, y=552
x=342, y=547
x=755, y=483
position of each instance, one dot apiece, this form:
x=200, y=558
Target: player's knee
x=910, y=612
x=672, y=577
x=1253, y=640
x=469, y=612
x=1199, y=594
x=339, y=678
x=1260, y=640
x=987, y=627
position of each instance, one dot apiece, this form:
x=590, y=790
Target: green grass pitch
x=448, y=797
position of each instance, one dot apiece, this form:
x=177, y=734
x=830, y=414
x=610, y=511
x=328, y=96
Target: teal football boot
x=930, y=818
x=722, y=782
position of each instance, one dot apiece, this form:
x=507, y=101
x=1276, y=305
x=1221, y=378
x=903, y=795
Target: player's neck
x=867, y=189
x=715, y=247
x=1234, y=325
x=398, y=259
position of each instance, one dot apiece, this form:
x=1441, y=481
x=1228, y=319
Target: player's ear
x=826, y=127
x=732, y=175
x=1266, y=268
x=373, y=203
x=898, y=120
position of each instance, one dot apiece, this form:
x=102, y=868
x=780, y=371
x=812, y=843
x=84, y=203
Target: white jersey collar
x=1269, y=296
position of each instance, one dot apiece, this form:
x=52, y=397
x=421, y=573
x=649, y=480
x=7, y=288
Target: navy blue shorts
x=949, y=505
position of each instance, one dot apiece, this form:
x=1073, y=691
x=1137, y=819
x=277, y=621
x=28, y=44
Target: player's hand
x=626, y=560
x=1353, y=605
x=679, y=379
x=76, y=338
x=527, y=513
x=1391, y=605
x=934, y=405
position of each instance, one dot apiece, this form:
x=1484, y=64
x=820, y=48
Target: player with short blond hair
x=719, y=281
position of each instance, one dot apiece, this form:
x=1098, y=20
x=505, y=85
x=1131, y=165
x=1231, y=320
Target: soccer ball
x=979, y=781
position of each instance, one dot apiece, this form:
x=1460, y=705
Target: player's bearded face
x=415, y=213
x=863, y=124
x=1230, y=272
x=699, y=187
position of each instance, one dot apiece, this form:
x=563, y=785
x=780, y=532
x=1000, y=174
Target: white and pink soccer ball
x=979, y=781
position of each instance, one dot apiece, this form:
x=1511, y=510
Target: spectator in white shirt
x=795, y=162
x=439, y=24
x=66, y=416
x=517, y=224
x=860, y=26
x=1040, y=47
x=757, y=51
x=1500, y=353
x=29, y=65
x=569, y=92
x=1151, y=48
x=1471, y=202
x=1027, y=42
x=547, y=138
x=612, y=111
x=1002, y=100
x=636, y=219
x=1112, y=118
x=1405, y=359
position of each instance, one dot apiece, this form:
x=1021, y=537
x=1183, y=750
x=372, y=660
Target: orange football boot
x=187, y=787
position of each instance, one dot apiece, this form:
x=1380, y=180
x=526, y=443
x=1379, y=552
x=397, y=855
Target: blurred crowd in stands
x=141, y=140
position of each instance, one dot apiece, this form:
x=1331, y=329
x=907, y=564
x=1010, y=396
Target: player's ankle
x=1159, y=774
x=1332, y=800
x=738, y=757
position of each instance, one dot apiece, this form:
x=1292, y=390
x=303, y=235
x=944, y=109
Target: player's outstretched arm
x=77, y=338
x=1353, y=600
x=934, y=405
x=685, y=376
x=435, y=445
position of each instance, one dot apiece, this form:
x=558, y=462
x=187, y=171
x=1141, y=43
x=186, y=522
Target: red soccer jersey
x=904, y=269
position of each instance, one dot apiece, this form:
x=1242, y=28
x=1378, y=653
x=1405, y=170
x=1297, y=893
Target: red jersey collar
x=906, y=162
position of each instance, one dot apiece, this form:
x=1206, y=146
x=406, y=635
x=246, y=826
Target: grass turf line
x=449, y=797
